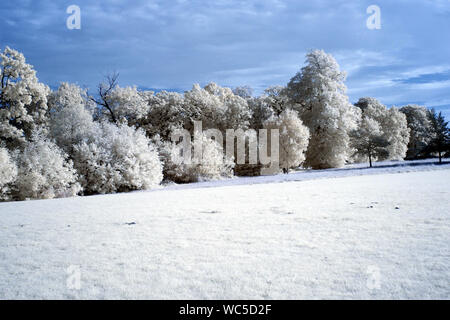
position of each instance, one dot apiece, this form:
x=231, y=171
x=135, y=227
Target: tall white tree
x=397, y=133
x=23, y=99
x=318, y=93
x=71, y=119
x=293, y=138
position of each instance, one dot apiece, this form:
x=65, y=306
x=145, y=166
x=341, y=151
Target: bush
x=213, y=165
x=119, y=159
x=44, y=172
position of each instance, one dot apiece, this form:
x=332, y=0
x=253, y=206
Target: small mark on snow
x=397, y=208
x=278, y=210
x=130, y=223
x=211, y=212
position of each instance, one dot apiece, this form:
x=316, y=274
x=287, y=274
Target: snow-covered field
x=348, y=233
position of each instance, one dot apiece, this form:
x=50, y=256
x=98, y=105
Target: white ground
x=334, y=235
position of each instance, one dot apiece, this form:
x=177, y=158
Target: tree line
x=66, y=142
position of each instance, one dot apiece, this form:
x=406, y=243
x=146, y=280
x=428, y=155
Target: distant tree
x=261, y=110
x=244, y=92
x=167, y=111
x=129, y=105
x=318, y=93
x=216, y=107
x=420, y=129
x=104, y=91
x=440, y=134
x=276, y=98
x=393, y=125
x=369, y=140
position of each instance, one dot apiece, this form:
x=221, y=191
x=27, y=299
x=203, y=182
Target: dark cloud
x=427, y=78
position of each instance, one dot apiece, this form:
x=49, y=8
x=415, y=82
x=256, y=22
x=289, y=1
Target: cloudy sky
x=171, y=44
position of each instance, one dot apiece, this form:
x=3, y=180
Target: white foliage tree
x=71, y=119
x=318, y=93
x=23, y=99
x=245, y=92
x=368, y=141
x=276, y=97
x=261, y=111
x=272, y=103
x=217, y=107
x=166, y=113
x=119, y=159
x=44, y=172
x=393, y=125
x=8, y=174
x=293, y=138
x=129, y=104
x=420, y=129
x=397, y=133
x=213, y=165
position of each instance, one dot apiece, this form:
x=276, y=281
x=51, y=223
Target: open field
x=340, y=235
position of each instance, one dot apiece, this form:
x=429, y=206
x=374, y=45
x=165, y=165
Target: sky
x=172, y=44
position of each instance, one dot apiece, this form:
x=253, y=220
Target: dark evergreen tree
x=440, y=135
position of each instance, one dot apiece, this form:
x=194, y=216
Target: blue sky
x=174, y=43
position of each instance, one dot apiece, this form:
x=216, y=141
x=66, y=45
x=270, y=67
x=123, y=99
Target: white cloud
x=175, y=43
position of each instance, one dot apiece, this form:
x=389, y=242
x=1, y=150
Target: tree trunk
x=370, y=160
x=440, y=156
